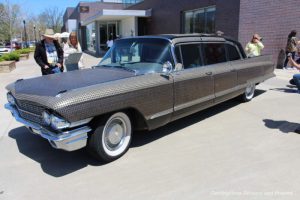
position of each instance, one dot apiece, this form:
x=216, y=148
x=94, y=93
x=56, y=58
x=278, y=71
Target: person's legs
x=296, y=79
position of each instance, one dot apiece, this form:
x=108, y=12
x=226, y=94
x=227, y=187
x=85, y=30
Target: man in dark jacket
x=48, y=54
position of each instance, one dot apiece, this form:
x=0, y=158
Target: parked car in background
x=31, y=44
x=141, y=83
x=13, y=45
x=4, y=50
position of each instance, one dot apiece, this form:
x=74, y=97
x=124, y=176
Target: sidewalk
x=25, y=69
x=286, y=74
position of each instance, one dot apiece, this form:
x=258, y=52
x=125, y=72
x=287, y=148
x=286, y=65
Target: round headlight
x=59, y=123
x=11, y=99
x=47, y=118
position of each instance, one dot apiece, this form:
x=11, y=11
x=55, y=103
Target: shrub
x=1, y=59
x=23, y=51
x=14, y=56
x=11, y=56
x=5, y=56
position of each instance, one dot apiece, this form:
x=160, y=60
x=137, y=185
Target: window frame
x=201, y=51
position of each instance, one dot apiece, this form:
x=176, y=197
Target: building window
x=91, y=37
x=128, y=3
x=199, y=21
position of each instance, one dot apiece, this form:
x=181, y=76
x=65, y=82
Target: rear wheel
x=112, y=139
x=249, y=93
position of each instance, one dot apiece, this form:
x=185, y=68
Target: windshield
x=140, y=55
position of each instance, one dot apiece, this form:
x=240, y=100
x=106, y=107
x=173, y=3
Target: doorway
x=107, y=30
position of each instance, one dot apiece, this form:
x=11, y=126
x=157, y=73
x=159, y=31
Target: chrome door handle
x=208, y=73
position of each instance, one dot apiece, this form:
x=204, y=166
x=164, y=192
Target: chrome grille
x=30, y=107
x=31, y=117
x=31, y=112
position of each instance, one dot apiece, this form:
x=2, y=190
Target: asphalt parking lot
x=231, y=151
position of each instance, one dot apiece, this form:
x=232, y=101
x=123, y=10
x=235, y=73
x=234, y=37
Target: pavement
x=231, y=151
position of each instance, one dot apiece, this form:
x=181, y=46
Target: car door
x=193, y=85
x=224, y=75
x=236, y=60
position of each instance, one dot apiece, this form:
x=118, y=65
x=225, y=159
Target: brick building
x=272, y=19
x=239, y=19
x=95, y=22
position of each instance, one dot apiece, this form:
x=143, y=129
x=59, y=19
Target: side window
x=214, y=53
x=232, y=52
x=190, y=55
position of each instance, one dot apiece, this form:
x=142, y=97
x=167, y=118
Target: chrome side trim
x=68, y=140
x=195, y=102
x=228, y=91
x=165, y=112
x=81, y=122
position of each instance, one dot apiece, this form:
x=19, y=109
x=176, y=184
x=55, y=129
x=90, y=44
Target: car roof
x=178, y=38
x=173, y=36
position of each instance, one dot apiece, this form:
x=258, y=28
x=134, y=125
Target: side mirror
x=167, y=68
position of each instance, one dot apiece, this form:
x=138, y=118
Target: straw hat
x=49, y=33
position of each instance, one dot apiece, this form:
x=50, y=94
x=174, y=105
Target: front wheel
x=111, y=140
x=249, y=93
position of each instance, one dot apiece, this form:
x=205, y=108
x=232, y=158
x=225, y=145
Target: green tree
x=10, y=22
x=52, y=18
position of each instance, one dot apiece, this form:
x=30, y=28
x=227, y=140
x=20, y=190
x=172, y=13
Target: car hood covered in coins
x=52, y=85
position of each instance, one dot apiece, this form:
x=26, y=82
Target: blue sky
x=37, y=6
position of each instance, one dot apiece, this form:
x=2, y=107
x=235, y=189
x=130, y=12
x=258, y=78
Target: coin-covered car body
x=142, y=83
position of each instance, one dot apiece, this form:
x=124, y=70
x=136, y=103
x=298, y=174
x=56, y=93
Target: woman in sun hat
x=48, y=54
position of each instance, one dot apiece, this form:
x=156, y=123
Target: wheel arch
x=137, y=119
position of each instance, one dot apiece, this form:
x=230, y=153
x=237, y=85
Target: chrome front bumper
x=69, y=140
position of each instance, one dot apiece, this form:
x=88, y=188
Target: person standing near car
x=48, y=54
x=291, y=47
x=296, y=77
x=73, y=46
x=254, y=47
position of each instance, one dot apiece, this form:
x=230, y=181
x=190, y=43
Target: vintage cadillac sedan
x=141, y=83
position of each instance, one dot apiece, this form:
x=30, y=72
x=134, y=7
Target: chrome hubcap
x=250, y=91
x=115, y=133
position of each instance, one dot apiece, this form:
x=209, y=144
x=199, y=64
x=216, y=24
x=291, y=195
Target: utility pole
x=10, y=31
x=34, y=34
x=25, y=34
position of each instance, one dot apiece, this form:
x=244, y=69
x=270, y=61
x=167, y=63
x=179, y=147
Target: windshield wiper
x=117, y=66
x=125, y=68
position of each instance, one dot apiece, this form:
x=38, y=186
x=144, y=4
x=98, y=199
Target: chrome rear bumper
x=69, y=140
